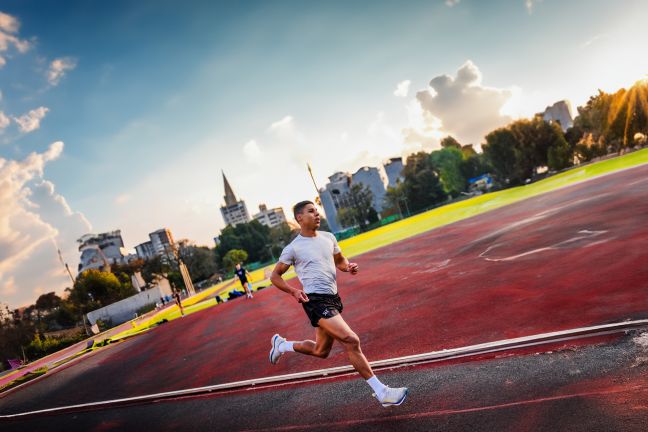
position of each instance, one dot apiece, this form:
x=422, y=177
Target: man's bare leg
x=340, y=331
x=321, y=347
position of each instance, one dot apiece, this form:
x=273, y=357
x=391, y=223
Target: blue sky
x=152, y=99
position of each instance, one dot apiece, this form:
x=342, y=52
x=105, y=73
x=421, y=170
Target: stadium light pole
x=319, y=197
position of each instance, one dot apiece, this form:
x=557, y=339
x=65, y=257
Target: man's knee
x=322, y=353
x=350, y=340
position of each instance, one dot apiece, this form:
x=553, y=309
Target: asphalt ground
x=570, y=258
x=593, y=388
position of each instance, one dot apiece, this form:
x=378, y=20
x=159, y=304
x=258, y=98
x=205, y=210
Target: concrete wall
x=125, y=309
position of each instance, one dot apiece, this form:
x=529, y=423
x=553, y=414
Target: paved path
x=598, y=388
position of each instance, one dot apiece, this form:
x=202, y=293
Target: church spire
x=230, y=198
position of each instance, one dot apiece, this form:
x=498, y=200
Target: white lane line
x=585, y=234
x=502, y=345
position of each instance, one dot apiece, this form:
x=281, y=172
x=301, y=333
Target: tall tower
x=234, y=211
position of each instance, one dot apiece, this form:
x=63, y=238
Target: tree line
x=515, y=154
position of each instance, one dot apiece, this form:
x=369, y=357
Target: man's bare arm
x=278, y=281
x=343, y=264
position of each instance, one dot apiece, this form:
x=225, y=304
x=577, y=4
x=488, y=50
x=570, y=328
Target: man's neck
x=305, y=232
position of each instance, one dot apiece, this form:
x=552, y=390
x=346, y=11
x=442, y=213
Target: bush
x=40, y=347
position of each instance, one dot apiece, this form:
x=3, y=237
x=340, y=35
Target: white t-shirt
x=313, y=261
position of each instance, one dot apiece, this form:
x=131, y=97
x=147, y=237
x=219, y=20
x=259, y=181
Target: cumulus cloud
x=252, y=151
x=4, y=121
x=451, y=3
x=31, y=121
x=58, y=68
x=460, y=106
x=402, y=88
x=9, y=27
x=8, y=23
x=34, y=218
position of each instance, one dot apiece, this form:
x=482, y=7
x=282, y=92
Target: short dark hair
x=297, y=208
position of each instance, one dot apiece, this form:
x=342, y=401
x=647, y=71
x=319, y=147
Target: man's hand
x=352, y=268
x=300, y=296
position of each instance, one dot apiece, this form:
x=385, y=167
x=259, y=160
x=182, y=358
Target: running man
x=242, y=275
x=178, y=301
x=316, y=255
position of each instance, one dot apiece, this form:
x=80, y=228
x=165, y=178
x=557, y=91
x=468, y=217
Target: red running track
x=570, y=258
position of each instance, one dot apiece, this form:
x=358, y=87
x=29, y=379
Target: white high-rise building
x=145, y=250
x=375, y=179
x=560, y=112
x=394, y=170
x=97, y=250
x=162, y=242
x=270, y=217
x=335, y=194
x=234, y=211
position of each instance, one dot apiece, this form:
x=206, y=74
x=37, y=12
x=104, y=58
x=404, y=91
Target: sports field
x=571, y=257
x=418, y=224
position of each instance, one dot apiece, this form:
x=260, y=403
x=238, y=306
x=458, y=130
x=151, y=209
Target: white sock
x=376, y=385
x=286, y=346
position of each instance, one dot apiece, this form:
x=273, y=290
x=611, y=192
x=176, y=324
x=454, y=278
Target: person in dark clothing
x=243, y=274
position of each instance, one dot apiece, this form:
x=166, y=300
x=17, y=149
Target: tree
x=155, y=266
x=234, y=257
x=324, y=226
x=360, y=211
x=394, y=200
x=200, y=261
x=253, y=237
x=94, y=289
x=474, y=165
x=500, y=151
x=450, y=142
x=421, y=182
x=560, y=153
x=47, y=302
x=283, y=234
x=447, y=163
x=612, y=120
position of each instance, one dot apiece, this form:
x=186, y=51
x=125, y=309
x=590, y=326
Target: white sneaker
x=392, y=396
x=274, y=352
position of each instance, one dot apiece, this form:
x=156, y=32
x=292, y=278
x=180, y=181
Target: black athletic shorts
x=322, y=306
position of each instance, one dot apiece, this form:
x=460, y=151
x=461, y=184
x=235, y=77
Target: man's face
x=309, y=217
x=238, y=266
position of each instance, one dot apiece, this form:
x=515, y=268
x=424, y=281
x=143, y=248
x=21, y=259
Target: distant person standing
x=316, y=255
x=176, y=297
x=242, y=274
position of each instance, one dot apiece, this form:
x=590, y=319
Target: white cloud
x=252, y=151
x=530, y=4
x=285, y=124
x=8, y=23
x=31, y=121
x=460, y=106
x=9, y=26
x=402, y=88
x=9, y=287
x=451, y=3
x=4, y=121
x=58, y=68
x=33, y=219
x=122, y=198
